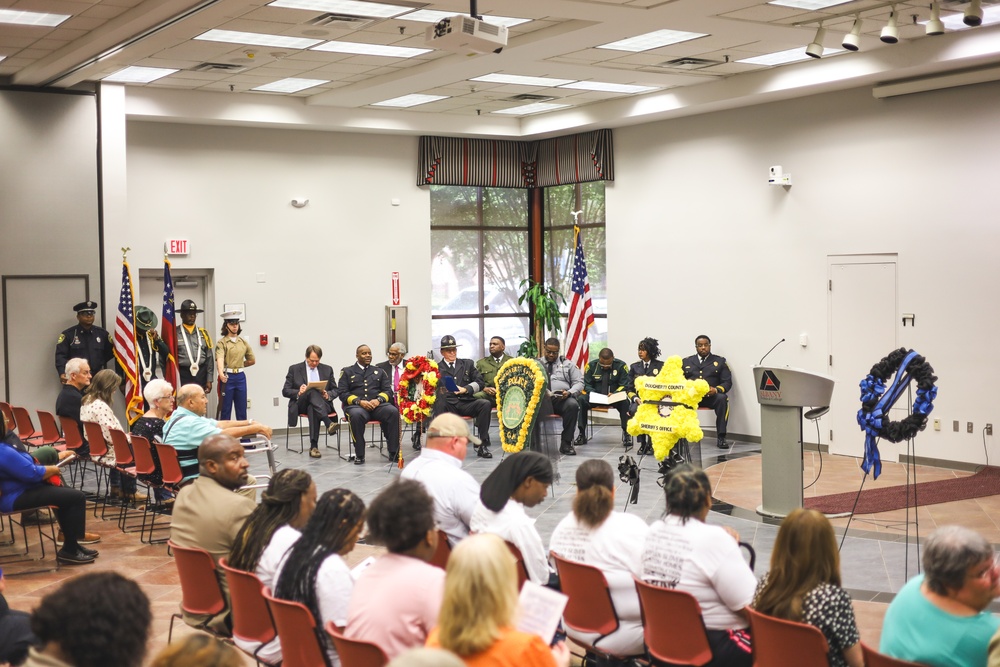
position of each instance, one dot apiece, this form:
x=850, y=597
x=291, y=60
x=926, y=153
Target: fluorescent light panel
x=352, y=7
x=810, y=5
x=135, y=74
x=257, y=39
x=785, y=57
x=522, y=80
x=537, y=107
x=652, y=40
x=603, y=87
x=31, y=18
x=409, y=100
x=363, y=49
x=433, y=16
x=290, y=85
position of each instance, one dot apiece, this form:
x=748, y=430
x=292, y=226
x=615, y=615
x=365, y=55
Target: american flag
x=581, y=310
x=168, y=328
x=125, y=351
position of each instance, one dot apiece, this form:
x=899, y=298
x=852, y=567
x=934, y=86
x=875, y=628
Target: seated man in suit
x=605, y=375
x=462, y=402
x=565, y=386
x=489, y=366
x=714, y=370
x=395, y=366
x=648, y=364
x=316, y=404
x=366, y=394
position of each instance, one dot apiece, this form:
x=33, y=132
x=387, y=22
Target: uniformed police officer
x=605, y=375
x=366, y=391
x=84, y=341
x=714, y=370
x=649, y=364
x=194, y=348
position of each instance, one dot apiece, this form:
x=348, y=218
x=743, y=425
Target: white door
x=862, y=311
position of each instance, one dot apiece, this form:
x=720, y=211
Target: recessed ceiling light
x=522, y=80
x=652, y=40
x=31, y=18
x=257, y=39
x=352, y=7
x=433, y=16
x=136, y=74
x=290, y=85
x=785, y=57
x=609, y=87
x=409, y=100
x=811, y=5
x=537, y=107
x=363, y=49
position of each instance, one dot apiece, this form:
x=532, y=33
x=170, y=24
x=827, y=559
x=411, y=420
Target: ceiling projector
x=464, y=34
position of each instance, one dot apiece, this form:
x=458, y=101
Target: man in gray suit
x=461, y=401
x=316, y=404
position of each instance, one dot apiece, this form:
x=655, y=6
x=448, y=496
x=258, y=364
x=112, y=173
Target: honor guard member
x=84, y=341
x=489, y=366
x=194, y=349
x=462, y=402
x=149, y=347
x=714, y=370
x=365, y=392
x=648, y=364
x=605, y=375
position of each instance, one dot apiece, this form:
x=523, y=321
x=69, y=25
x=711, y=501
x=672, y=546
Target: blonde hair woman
x=479, y=607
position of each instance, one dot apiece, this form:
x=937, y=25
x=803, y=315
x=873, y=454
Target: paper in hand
x=539, y=610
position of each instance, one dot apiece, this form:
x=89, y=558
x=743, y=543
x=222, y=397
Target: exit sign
x=177, y=247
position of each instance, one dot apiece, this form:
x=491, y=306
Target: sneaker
x=315, y=453
x=567, y=449
x=723, y=443
x=75, y=557
x=88, y=538
x=580, y=440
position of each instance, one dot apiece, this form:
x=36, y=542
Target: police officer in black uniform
x=84, y=341
x=714, y=370
x=605, y=375
x=648, y=364
x=366, y=393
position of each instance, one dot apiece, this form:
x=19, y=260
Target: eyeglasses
x=165, y=398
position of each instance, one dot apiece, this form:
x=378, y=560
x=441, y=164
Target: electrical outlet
x=275, y=398
x=954, y=425
x=937, y=422
x=968, y=427
x=989, y=429
x=250, y=405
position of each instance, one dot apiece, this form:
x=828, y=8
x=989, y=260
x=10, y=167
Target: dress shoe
x=645, y=449
x=333, y=428
x=359, y=462
x=723, y=443
x=75, y=557
x=483, y=452
x=567, y=449
x=580, y=440
x=627, y=441
x=416, y=445
x=315, y=453
x=88, y=538
x=93, y=553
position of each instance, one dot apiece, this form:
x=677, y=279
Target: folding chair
x=297, y=632
x=781, y=643
x=302, y=440
x=73, y=440
x=201, y=593
x=126, y=465
x=443, y=551
x=50, y=430
x=252, y=621
x=145, y=464
x=172, y=477
x=356, y=652
x=522, y=570
x=98, y=450
x=8, y=414
x=875, y=659
x=46, y=531
x=672, y=626
x=25, y=429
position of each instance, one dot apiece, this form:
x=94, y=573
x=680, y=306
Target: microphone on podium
x=770, y=351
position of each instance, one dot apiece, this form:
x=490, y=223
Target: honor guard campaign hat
x=145, y=319
x=448, y=343
x=189, y=306
x=85, y=307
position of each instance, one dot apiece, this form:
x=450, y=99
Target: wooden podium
x=782, y=393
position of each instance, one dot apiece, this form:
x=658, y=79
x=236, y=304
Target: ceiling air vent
x=528, y=97
x=689, y=63
x=340, y=21
x=218, y=67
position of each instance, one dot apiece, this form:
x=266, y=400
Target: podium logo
x=770, y=385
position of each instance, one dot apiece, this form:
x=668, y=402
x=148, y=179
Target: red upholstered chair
x=672, y=625
x=50, y=430
x=8, y=414
x=98, y=450
x=522, y=571
x=355, y=652
x=875, y=659
x=201, y=593
x=781, y=643
x=443, y=551
x=297, y=632
x=252, y=620
x=25, y=429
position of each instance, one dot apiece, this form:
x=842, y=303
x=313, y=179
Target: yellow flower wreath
x=669, y=384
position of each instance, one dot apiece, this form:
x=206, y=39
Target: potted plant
x=544, y=303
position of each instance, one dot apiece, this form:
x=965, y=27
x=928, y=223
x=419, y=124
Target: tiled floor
x=874, y=557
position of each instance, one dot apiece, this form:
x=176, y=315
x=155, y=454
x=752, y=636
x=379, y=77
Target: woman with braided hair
x=314, y=572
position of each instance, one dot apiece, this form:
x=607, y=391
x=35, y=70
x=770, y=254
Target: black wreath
x=923, y=374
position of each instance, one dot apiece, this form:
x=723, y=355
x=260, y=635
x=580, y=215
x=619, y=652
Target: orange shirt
x=513, y=649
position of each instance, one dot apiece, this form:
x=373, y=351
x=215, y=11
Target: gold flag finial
x=125, y=253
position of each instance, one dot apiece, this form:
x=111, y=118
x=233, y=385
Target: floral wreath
x=520, y=384
x=670, y=388
x=416, y=389
x=877, y=400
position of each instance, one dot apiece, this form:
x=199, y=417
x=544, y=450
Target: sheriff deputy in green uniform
x=489, y=366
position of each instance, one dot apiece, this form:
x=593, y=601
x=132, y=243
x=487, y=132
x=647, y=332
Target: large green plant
x=545, y=302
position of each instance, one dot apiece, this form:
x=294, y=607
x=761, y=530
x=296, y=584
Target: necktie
x=550, y=369
x=395, y=378
x=645, y=367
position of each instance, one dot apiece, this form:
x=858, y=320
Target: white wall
x=327, y=266
x=746, y=263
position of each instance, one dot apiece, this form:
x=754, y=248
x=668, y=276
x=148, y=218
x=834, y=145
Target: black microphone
x=770, y=351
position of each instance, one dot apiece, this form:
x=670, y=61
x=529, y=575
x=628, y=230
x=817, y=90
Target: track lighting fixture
x=890, y=33
x=935, y=26
x=852, y=40
x=815, y=49
x=974, y=14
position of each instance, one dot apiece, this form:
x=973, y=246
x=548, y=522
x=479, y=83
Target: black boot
x=483, y=452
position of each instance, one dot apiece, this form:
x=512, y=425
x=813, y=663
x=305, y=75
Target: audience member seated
x=565, y=388
x=315, y=403
x=480, y=607
x=96, y=408
x=488, y=368
x=159, y=395
x=685, y=553
x=198, y=650
x=188, y=427
x=24, y=484
x=593, y=533
x=209, y=513
x=396, y=600
x=16, y=636
x=462, y=402
x=649, y=364
x=714, y=370
x=939, y=618
x=426, y=657
x=366, y=393
x=314, y=572
x=606, y=375
x=803, y=585
x=439, y=469
x=268, y=534
x=94, y=620
x=71, y=396
x=521, y=480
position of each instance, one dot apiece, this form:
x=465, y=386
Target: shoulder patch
x=62, y=337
